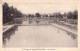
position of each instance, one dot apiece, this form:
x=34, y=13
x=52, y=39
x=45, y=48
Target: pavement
x=65, y=28
x=5, y=28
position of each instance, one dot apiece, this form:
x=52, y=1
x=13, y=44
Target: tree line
x=10, y=13
x=69, y=15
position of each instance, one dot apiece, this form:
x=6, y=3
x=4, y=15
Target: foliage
x=10, y=13
x=72, y=15
x=75, y=14
x=38, y=15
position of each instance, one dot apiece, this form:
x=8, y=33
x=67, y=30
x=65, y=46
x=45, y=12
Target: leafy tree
x=10, y=13
x=65, y=14
x=75, y=14
x=69, y=15
x=38, y=15
x=5, y=12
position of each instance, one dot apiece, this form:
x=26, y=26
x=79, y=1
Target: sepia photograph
x=39, y=24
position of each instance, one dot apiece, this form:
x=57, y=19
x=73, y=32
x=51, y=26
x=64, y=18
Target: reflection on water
x=38, y=36
x=7, y=35
x=73, y=36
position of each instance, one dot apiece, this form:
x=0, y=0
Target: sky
x=50, y=6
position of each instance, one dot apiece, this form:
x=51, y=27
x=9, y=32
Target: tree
x=69, y=15
x=65, y=14
x=38, y=15
x=9, y=13
x=5, y=13
x=75, y=14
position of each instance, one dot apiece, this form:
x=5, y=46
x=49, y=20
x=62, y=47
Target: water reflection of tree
x=73, y=36
x=7, y=35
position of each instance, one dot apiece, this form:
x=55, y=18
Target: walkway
x=65, y=28
x=7, y=27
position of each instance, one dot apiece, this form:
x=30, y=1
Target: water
x=39, y=36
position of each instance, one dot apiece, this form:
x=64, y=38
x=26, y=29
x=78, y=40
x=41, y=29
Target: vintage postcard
x=39, y=25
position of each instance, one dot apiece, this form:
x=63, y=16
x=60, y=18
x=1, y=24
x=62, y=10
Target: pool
x=39, y=36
